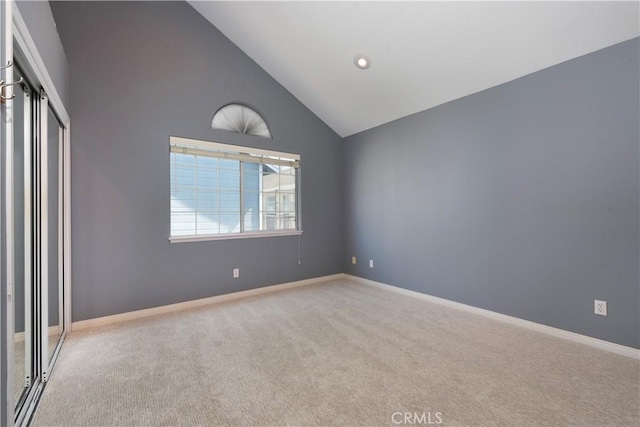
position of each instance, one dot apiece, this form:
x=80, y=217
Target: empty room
x=313, y=213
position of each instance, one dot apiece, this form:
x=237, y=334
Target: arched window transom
x=239, y=118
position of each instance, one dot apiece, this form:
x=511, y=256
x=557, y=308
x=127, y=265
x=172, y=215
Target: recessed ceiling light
x=362, y=62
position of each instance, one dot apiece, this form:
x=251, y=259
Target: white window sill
x=231, y=236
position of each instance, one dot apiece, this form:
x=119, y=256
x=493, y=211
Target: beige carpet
x=337, y=353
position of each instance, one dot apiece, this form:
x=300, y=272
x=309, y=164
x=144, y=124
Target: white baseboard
x=560, y=333
x=122, y=317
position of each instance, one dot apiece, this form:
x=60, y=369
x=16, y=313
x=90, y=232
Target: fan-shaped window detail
x=240, y=119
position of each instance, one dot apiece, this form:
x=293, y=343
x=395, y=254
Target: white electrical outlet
x=370, y=263
x=600, y=307
x=353, y=260
x=236, y=273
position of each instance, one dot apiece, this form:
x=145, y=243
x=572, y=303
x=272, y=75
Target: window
x=226, y=191
x=239, y=118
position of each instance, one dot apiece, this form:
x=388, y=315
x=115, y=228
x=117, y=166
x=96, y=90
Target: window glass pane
x=229, y=182
x=207, y=163
x=287, y=221
x=278, y=190
x=230, y=202
x=288, y=202
x=269, y=201
x=208, y=222
x=251, y=196
x=179, y=206
x=208, y=204
x=207, y=181
x=232, y=165
x=287, y=182
x=183, y=224
x=230, y=222
x=287, y=170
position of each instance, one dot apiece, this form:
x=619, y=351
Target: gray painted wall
x=521, y=199
x=143, y=71
x=42, y=27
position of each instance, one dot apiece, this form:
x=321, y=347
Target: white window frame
x=175, y=141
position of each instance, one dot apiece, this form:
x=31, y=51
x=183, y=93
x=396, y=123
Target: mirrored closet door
x=24, y=372
x=38, y=241
x=51, y=154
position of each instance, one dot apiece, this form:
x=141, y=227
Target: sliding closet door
x=26, y=259
x=24, y=367
x=51, y=247
x=54, y=235
x=38, y=249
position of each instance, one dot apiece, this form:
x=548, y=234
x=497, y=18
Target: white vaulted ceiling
x=422, y=53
